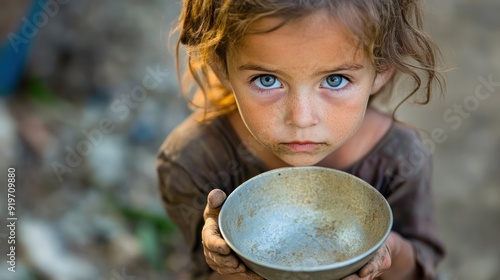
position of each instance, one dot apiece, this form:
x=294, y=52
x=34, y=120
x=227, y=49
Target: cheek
x=257, y=118
x=344, y=123
x=344, y=117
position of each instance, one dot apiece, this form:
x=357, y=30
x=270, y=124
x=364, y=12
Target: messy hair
x=389, y=31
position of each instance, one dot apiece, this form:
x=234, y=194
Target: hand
x=380, y=262
x=217, y=253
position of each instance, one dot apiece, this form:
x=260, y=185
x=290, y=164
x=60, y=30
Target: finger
x=378, y=264
x=386, y=260
x=224, y=269
x=215, y=200
x=221, y=260
x=367, y=270
x=370, y=267
x=251, y=275
x=212, y=239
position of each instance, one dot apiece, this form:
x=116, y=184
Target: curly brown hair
x=390, y=31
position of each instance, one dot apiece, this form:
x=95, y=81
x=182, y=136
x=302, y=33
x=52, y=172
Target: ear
x=220, y=70
x=382, y=78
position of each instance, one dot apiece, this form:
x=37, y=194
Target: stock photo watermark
x=412, y=163
x=30, y=26
x=11, y=221
x=456, y=115
x=121, y=107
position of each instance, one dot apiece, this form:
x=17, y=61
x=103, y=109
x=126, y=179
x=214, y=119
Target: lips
x=302, y=146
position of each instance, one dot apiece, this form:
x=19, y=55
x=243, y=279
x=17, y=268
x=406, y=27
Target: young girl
x=290, y=83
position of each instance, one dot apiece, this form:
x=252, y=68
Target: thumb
x=215, y=200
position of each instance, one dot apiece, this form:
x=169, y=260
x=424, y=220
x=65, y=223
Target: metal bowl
x=305, y=223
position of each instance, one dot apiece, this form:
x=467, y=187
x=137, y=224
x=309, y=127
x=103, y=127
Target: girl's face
x=302, y=90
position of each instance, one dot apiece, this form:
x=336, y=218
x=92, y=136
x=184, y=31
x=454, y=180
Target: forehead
x=314, y=37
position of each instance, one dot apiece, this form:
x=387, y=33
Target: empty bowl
x=305, y=223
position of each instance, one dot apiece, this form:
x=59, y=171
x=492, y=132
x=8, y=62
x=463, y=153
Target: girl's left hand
x=380, y=262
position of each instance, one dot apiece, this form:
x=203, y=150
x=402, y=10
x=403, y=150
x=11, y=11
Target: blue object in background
x=143, y=131
x=14, y=53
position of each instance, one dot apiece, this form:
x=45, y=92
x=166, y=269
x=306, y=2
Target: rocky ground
x=99, y=95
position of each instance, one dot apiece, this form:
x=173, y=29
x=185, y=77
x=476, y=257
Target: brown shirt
x=198, y=157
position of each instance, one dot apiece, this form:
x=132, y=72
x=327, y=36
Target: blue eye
x=267, y=82
x=334, y=82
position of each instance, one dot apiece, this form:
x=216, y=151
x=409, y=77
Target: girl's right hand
x=217, y=253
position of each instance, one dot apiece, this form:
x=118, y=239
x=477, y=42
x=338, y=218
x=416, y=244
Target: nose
x=302, y=110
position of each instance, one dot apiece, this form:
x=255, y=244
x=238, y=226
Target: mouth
x=302, y=146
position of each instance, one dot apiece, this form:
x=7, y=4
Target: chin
x=301, y=160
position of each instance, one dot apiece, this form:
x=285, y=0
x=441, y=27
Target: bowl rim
x=308, y=268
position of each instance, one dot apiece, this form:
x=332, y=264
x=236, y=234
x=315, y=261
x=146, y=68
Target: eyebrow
x=343, y=67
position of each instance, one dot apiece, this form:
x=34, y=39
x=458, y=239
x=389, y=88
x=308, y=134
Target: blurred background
x=89, y=92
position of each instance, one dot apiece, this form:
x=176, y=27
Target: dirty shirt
x=198, y=157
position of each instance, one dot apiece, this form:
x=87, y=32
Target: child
x=290, y=83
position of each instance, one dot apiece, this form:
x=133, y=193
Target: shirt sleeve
x=184, y=199
x=195, y=159
x=411, y=200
